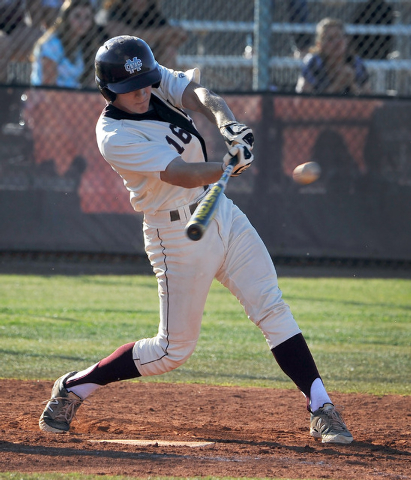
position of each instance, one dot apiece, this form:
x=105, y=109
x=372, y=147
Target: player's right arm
x=212, y=106
x=215, y=109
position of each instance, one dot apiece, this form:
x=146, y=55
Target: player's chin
x=137, y=109
x=141, y=107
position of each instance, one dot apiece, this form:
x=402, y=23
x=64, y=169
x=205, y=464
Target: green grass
x=359, y=330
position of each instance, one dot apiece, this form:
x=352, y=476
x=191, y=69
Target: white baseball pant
x=231, y=251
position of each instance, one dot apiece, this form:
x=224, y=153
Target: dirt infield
x=252, y=433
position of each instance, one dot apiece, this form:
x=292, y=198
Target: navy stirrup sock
x=295, y=360
x=117, y=366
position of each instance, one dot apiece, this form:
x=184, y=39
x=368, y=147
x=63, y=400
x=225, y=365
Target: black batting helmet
x=124, y=64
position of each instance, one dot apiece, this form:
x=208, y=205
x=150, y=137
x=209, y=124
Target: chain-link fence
x=368, y=52
x=57, y=193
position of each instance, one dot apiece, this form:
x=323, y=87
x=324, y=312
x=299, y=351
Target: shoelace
x=336, y=420
x=68, y=408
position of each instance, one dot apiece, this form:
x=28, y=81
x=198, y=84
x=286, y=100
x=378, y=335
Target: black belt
x=174, y=215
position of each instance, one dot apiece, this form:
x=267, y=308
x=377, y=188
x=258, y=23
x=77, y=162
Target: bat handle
x=204, y=213
x=229, y=169
x=233, y=161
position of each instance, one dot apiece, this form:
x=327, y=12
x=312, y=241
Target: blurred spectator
x=330, y=67
x=375, y=47
x=64, y=55
x=17, y=36
x=44, y=12
x=144, y=19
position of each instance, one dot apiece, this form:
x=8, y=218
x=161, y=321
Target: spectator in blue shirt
x=62, y=54
x=330, y=67
x=43, y=13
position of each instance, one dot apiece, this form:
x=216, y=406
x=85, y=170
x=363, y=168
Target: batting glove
x=237, y=133
x=244, y=156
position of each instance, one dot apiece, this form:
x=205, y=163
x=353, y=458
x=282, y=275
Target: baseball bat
x=205, y=211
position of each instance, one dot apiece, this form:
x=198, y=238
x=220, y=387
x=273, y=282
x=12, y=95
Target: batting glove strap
x=244, y=156
x=237, y=133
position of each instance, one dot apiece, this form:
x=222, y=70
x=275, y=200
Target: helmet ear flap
x=107, y=94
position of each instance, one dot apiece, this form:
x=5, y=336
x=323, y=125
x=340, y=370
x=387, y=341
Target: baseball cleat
x=327, y=424
x=61, y=408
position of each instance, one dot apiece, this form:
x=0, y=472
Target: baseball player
x=149, y=140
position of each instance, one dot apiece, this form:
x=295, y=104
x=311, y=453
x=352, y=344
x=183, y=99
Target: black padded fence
x=58, y=195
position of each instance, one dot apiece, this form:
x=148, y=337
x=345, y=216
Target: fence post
x=262, y=35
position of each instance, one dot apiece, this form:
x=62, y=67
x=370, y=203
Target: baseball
x=306, y=173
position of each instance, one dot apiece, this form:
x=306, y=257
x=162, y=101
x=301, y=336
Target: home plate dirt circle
x=155, y=443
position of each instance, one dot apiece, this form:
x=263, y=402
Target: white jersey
x=139, y=147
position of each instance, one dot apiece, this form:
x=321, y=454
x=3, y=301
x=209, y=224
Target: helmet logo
x=132, y=65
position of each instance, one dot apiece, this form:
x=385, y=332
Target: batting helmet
x=124, y=64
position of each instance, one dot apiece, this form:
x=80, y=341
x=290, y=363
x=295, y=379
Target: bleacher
x=217, y=44
x=220, y=36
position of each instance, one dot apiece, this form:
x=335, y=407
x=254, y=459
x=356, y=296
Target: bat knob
x=194, y=232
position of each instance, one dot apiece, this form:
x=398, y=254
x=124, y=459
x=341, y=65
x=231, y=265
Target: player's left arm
x=215, y=109
x=190, y=175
